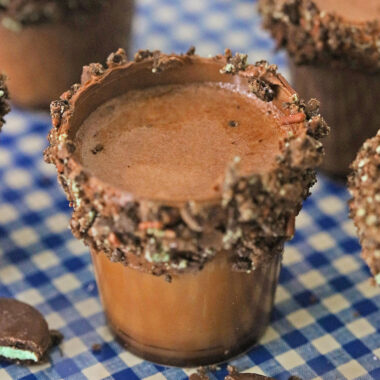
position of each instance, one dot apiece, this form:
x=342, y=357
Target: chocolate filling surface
x=174, y=142
x=352, y=10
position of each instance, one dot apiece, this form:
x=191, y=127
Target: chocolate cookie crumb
x=118, y=58
x=313, y=299
x=234, y=63
x=233, y=123
x=233, y=374
x=91, y=71
x=98, y=148
x=141, y=54
x=202, y=373
x=96, y=347
x=261, y=89
x=191, y=50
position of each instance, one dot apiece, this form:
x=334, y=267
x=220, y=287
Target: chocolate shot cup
x=364, y=187
x=334, y=56
x=45, y=44
x=186, y=268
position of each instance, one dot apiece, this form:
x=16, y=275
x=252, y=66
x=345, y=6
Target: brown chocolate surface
x=14, y=14
x=4, y=96
x=174, y=142
x=23, y=327
x=233, y=374
x=325, y=32
x=352, y=10
x=364, y=184
x=255, y=214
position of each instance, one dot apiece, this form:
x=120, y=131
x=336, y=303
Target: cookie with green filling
x=25, y=337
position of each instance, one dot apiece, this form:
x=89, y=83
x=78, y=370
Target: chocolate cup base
x=173, y=358
x=42, y=61
x=199, y=318
x=349, y=103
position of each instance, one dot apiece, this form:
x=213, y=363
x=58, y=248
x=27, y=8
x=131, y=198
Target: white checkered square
x=25, y=236
x=321, y=241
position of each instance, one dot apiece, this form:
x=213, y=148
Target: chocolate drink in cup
x=45, y=43
x=185, y=175
x=334, y=56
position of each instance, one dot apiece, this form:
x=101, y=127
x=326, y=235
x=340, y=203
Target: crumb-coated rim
x=313, y=36
x=252, y=219
x=364, y=186
x=4, y=98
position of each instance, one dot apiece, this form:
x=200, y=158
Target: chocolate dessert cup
x=4, y=97
x=45, y=44
x=185, y=280
x=364, y=186
x=334, y=55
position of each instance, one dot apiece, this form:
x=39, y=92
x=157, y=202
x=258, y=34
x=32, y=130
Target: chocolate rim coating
x=364, y=186
x=4, y=97
x=312, y=36
x=24, y=327
x=251, y=220
x=18, y=13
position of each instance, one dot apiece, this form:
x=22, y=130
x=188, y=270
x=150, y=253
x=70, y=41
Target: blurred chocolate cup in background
x=364, y=186
x=349, y=103
x=334, y=56
x=45, y=44
x=185, y=175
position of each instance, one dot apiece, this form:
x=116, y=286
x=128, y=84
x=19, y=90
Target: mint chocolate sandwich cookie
x=25, y=337
x=364, y=186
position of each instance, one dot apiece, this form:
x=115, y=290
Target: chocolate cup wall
x=349, y=103
x=199, y=318
x=41, y=61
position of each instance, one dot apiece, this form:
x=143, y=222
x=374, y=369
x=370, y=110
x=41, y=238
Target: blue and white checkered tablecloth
x=326, y=318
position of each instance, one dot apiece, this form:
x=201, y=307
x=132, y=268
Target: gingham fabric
x=326, y=317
